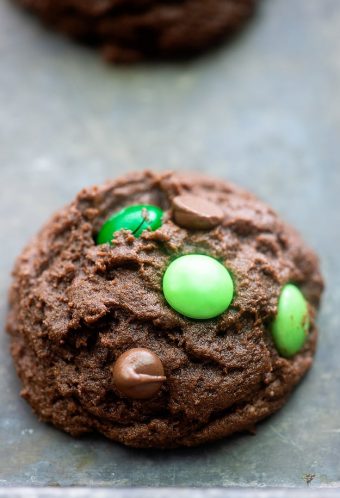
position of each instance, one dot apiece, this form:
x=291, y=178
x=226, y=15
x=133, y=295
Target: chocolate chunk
x=138, y=373
x=196, y=213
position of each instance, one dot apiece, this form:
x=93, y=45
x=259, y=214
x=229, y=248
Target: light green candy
x=291, y=324
x=198, y=286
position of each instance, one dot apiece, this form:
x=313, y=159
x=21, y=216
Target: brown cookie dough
x=129, y=30
x=76, y=307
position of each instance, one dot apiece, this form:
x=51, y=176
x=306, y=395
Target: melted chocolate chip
x=196, y=213
x=138, y=373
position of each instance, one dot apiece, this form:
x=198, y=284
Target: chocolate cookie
x=158, y=321
x=129, y=30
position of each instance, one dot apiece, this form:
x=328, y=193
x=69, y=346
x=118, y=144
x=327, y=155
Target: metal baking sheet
x=262, y=111
x=36, y=492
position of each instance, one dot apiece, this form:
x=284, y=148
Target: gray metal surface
x=164, y=493
x=263, y=112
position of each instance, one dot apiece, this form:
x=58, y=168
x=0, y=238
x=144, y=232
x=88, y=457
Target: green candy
x=136, y=218
x=291, y=323
x=198, y=286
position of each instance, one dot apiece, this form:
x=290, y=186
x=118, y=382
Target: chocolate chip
x=196, y=213
x=138, y=373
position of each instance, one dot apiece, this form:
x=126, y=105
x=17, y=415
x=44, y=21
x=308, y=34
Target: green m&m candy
x=198, y=286
x=136, y=218
x=291, y=323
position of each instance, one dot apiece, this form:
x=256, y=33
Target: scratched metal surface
x=37, y=492
x=264, y=112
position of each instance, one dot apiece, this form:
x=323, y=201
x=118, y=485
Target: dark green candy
x=136, y=218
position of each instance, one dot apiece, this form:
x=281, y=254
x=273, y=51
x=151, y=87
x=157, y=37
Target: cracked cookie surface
x=75, y=307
